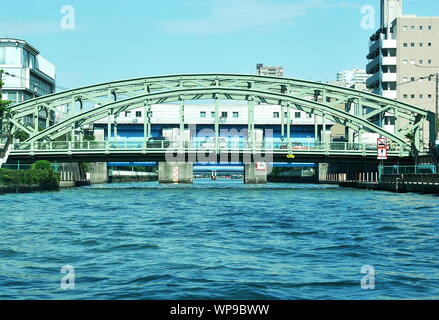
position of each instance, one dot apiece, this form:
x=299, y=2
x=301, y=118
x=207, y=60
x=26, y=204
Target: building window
x=429, y=61
x=297, y=115
x=421, y=61
x=275, y=115
x=405, y=96
x=420, y=28
x=405, y=79
x=127, y=114
x=412, y=44
x=421, y=96
x=212, y=114
x=412, y=27
x=404, y=62
x=202, y=114
x=235, y=115
x=404, y=28
x=405, y=45
x=429, y=27
x=412, y=96
x=309, y=114
x=412, y=79
x=224, y=114
x=429, y=44
x=429, y=96
x=421, y=45
x=138, y=114
x=412, y=61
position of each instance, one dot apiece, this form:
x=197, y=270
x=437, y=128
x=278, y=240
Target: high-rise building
x=351, y=77
x=272, y=71
x=26, y=74
x=402, y=52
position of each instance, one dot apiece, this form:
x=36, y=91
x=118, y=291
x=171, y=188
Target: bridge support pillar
x=253, y=174
x=176, y=172
x=321, y=172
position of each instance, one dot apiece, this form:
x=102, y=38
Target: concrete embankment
x=399, y=187
x=290, y=179
x=24, y=188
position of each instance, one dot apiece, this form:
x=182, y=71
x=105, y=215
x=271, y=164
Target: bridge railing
x=193, y=146
x=417, y=169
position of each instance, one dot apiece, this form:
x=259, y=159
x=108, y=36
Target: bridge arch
x=363, y=111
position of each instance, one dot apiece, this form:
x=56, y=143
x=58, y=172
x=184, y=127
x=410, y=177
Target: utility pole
x=437, y=102
x=430, y=77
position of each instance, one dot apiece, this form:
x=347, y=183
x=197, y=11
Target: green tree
x=21, y=135
x=42, y=174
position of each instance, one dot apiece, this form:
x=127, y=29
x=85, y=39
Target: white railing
x=190, y=146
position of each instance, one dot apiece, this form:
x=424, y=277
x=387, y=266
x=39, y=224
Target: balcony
x=391, y=94
x=389, y=61
x=389, y=44
x=389, y=77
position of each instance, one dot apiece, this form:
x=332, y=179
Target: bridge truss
x=363, y=112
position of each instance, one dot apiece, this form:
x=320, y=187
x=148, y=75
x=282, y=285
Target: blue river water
x=219, y=240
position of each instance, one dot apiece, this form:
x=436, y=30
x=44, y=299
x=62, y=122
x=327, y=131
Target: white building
x=26, y=73
x=352, y=77
x=271, y=71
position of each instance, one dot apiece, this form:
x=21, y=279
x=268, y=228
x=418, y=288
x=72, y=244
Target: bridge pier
x=254, y=174
x=176, y=172
x=321, y=172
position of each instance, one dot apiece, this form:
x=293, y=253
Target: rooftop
x=19, y=42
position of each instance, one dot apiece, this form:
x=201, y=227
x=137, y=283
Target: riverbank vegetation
x=41, y=174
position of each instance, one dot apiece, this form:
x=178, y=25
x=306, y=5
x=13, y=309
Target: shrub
x=41, y=173
x=41, y=165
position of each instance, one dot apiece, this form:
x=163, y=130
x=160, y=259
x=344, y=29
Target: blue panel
x=132, y=164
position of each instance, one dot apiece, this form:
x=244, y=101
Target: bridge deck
x=91, y=151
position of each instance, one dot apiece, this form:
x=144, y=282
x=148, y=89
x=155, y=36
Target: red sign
x=382, y=149
x=382, y=154
x=261, y=166
x=382, y=143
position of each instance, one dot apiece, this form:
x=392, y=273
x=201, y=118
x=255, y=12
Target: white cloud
x=228, y=16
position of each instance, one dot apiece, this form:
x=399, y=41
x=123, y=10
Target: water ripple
x=218, y=240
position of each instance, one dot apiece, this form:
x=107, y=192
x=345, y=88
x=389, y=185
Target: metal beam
x=238, y=94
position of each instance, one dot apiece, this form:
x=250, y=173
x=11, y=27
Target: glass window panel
x=2, y=55
x=13, y=56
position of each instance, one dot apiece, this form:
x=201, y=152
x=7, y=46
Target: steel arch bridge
x=363, y=112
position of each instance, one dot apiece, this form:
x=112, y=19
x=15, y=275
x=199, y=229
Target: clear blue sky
x=119, y=39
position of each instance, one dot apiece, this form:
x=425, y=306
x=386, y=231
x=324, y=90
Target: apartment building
x=351, y=77
x=403, y=52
